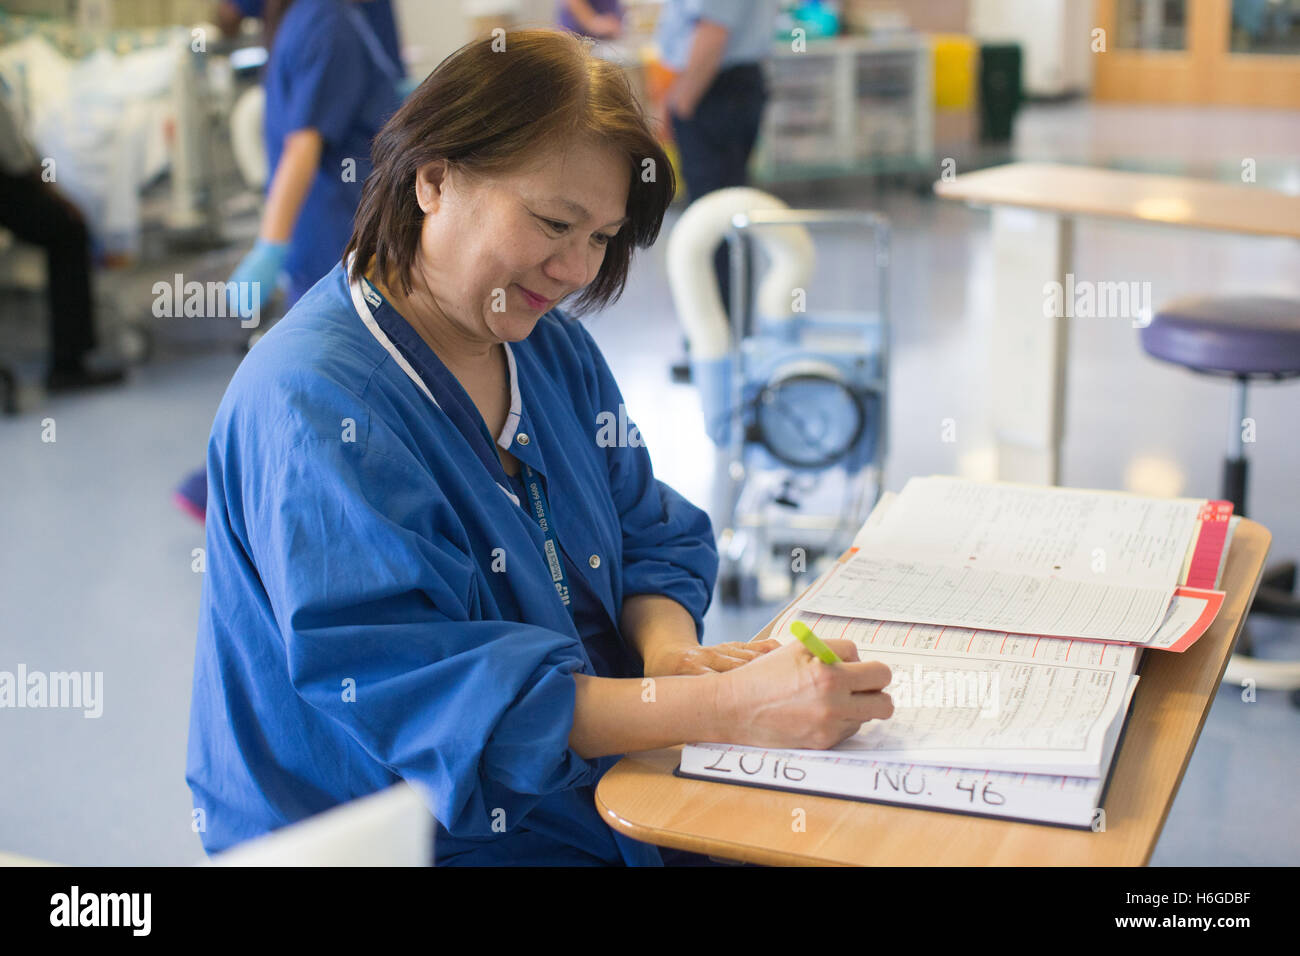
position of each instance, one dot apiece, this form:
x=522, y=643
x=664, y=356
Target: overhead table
x=1034, y=207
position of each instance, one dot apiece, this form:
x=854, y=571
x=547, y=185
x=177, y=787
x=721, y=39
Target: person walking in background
x=230, y=14
x=330, y=86
x=715, y=104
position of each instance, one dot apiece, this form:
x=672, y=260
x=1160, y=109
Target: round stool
x=1247, y=338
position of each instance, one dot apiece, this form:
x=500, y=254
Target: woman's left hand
x=713, y=659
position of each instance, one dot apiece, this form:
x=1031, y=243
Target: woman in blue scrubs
x=429, y=556
x=330, y=85
x=331, y=82
x=231, y=13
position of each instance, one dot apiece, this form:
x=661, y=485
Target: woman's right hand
x=253, y=282
x=789, y=699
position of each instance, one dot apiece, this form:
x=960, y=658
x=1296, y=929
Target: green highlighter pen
x=814, y=644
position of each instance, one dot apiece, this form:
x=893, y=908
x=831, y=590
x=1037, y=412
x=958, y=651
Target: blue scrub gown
x=378, y=13
x=377, y=604
x=327, y=71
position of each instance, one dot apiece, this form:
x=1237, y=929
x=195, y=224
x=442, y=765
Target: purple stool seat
x=1243, y=336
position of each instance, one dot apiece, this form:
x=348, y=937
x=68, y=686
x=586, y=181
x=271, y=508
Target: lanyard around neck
x=448, y=395
x=540, y=510
x=441, y=385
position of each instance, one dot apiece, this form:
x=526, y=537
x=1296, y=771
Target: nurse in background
x=330, y=85
x=599, y=19
x=379, y=13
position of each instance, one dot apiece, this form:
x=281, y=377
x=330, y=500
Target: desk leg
x=1028, y=351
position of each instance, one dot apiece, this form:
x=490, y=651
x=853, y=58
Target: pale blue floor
x=95, y=561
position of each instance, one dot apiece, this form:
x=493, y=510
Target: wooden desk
x=641, y=798
x=1034, y=206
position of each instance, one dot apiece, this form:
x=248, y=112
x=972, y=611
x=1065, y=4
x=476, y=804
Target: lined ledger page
x=978, y=699
x=991, y=556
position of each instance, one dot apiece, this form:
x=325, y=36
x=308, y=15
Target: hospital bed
x=138, y=123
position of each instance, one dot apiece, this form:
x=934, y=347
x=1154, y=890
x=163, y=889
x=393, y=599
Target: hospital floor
x=96, y=568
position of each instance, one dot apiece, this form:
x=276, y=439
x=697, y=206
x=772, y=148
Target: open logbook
x=1014, y=620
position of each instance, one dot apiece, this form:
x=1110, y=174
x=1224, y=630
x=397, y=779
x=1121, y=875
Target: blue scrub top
x=377, y=605
x=379, y=13
x=610, y=655
x=327, y=72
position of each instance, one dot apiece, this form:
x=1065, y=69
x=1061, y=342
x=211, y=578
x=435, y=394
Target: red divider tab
x=1208, y=551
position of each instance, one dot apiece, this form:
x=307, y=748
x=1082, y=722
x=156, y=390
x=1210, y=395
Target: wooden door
x=1217, y=52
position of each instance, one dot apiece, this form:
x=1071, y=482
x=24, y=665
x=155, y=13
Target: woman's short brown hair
x=488, y=109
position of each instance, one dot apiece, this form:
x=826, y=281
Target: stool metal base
x=1267, y=675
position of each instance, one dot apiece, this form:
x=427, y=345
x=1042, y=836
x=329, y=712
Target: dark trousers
x=35, y=212
x=715, y=143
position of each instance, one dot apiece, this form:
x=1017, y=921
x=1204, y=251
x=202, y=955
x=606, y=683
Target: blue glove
x=253, y=281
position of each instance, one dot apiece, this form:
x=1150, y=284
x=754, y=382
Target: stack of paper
x=1013, y=619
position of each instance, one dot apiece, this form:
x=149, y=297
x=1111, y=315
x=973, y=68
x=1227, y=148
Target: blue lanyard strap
x=443, y=386
x=456, y=404
x=540, y=510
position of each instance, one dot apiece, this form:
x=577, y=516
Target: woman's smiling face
x=497, y=252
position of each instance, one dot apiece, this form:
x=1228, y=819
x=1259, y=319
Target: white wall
x=432, y=29
x=429, y=31
x=1054, y=36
